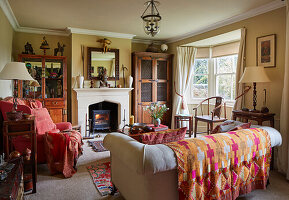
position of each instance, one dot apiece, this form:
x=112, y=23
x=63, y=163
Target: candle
x=131, y=120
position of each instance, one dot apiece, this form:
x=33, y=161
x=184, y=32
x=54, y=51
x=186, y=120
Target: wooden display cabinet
x=152, y=73
x=51, y=74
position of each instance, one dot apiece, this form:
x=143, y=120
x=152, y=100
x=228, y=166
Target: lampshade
x=15, y=71
x=254, y=75
x=34, y=84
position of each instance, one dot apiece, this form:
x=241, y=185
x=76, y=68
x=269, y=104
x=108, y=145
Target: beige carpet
x=80, y=186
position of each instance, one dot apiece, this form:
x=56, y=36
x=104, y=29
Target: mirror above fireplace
x=97, y=61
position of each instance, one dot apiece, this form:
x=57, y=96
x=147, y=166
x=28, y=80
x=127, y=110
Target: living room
x=62, y=43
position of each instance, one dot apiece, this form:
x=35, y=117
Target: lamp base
x=14, y=115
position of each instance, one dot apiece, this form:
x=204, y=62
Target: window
x=226, y=76
x=214, y=77
x=200, y=79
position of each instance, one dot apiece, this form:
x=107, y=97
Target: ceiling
x=123, y=16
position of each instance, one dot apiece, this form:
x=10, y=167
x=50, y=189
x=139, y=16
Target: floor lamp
x=254, y=75
x=15, y=71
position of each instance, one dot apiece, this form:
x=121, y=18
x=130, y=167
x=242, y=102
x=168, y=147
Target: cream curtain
x=283, y=155
x=240, y=69
x=183, y=74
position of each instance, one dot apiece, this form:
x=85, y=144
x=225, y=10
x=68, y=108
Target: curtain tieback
x=182, y=96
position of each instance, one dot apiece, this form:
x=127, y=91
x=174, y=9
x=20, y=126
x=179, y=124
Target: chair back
x=218, y=106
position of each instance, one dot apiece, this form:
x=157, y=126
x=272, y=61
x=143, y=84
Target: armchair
x=213, y=116
x=43, y=123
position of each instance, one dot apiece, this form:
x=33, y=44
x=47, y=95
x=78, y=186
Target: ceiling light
x=151, y=18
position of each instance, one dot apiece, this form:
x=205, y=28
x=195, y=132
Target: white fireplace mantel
x=88, y=96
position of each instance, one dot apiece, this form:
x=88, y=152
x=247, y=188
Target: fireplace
x=103, y=116
x=101, y=120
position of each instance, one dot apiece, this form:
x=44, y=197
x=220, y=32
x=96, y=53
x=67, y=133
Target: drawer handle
x=55, y=102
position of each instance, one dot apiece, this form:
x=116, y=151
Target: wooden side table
x=22, y=128
x=258, y=117
x=184, y=118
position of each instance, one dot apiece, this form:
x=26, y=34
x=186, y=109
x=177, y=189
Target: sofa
x=43, y=123
x=149, y=172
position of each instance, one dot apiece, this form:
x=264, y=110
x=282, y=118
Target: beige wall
x=6, y=37
x=124, y=46
x=268, y=23
x=138, y=47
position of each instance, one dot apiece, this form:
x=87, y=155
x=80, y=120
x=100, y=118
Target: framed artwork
x=266, y=51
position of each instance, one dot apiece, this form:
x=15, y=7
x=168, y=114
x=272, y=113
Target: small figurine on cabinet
x=44, y=45
x=59, y=49
x=28, y=49
x=105, y=42
x=103, y=78
x=59, y=88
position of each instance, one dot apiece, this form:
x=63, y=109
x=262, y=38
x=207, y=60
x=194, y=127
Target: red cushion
x=161, y=136
x=43, y=121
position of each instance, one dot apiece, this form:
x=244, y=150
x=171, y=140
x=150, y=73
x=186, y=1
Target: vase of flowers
x=157, y=112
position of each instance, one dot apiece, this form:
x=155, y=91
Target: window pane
x=201, y=66
x=224, y=86
x=200, y=91
x=202, y=79
x=225, y=64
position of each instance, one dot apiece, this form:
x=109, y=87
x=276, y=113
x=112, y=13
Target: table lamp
x=15, y=71
x=34, y=84
x=254, y=75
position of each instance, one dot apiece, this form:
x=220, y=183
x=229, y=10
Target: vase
x=157, y=122
x=80, y=80
x=129, y=81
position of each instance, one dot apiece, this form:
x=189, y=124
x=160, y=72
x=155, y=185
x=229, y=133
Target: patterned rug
x=100, y=173
x=97, y=146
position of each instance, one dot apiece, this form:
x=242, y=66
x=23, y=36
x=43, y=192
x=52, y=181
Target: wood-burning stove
x=100, y=120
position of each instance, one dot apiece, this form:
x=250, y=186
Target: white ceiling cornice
x=42, y=31
x=251, y=13
x=147, y=41
x=99, y=33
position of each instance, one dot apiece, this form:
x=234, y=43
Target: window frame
x=212, y=82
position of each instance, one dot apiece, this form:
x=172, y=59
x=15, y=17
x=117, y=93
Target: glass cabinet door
x=34, y=67
x=53, y=78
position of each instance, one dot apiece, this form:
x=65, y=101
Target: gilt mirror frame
x=89, y=68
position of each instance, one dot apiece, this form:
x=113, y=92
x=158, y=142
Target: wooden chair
x=212, y=117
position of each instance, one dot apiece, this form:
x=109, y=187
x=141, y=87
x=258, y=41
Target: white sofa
x=149, y=172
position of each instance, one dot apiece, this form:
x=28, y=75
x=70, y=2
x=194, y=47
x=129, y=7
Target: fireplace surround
x=90, y=96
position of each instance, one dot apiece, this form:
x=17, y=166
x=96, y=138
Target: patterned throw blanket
x=62, y=152
x=223, y=166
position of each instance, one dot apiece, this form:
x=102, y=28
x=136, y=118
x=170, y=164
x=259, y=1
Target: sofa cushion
x=161, y=137
x=230, y=125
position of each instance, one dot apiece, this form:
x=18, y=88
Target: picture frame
x=266, y=50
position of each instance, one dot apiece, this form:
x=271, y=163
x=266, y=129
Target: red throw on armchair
x=43, y=123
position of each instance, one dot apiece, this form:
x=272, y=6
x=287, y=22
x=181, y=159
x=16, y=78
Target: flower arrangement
x=156, y=110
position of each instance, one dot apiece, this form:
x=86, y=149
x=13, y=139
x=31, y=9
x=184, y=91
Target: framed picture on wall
x=266, y=51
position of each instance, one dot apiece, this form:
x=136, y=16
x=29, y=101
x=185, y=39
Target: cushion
x=43, y=121
x=230, y=125
x=161, y=136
